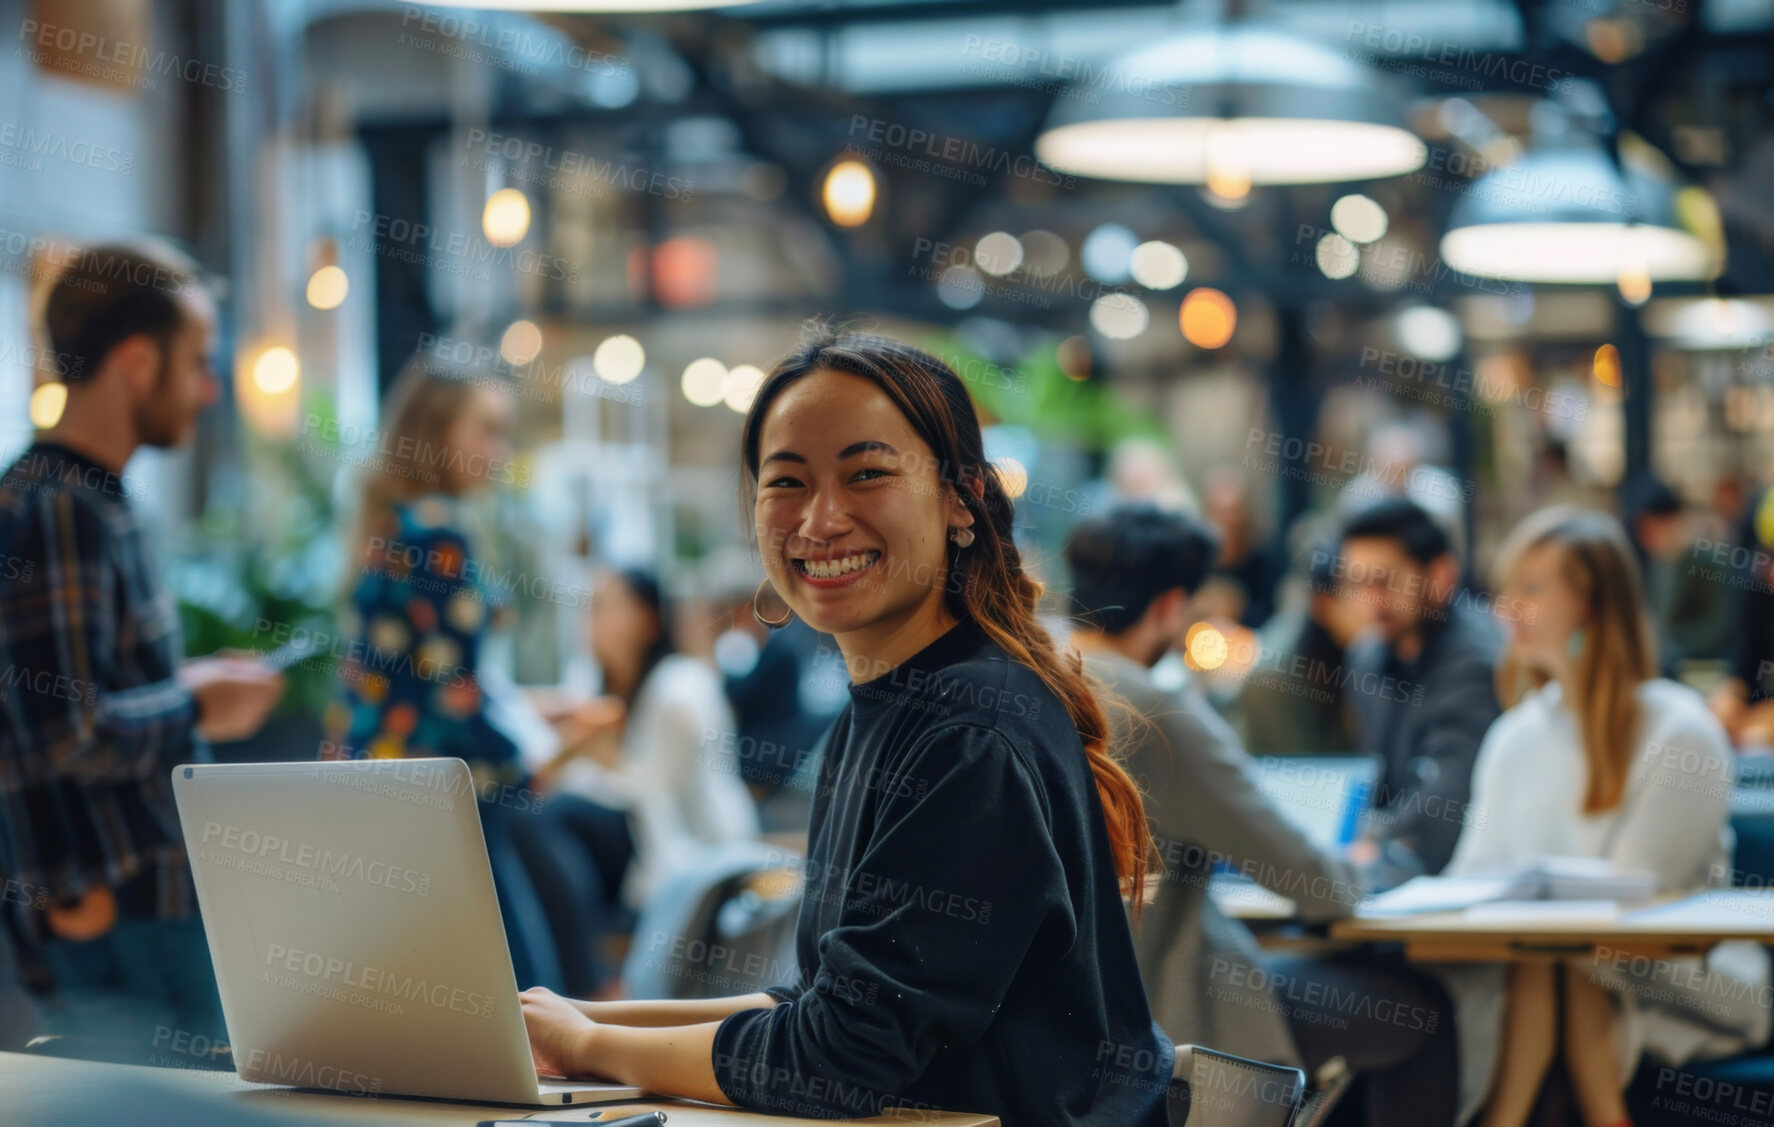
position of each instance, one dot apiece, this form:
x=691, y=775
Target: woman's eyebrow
x=864, y=447
x=785, y=456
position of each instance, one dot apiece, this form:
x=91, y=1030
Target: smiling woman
x=962, y=931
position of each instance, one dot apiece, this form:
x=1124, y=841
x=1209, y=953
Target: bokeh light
x=1607, y=366
x=506, y=218
x=1206, y=646
x=705, y=381
x=684, y=272
x=1158, y=265
x=521, y=343
x=1433, y=334
x=1044, y=252
x=960, y=287
x=998, y=253
x=1107, y=252
x=1337, y=256
x=619, y=359
x=1359, y=219
x=1119, y=316
x=47, y=403
x=1014, y=475
x=327, y=288
x=276, y=370
x=742, y=387
x=1208, y=318
x=849, y=193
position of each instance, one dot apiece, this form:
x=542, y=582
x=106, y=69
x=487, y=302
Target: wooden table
x=49, y=1092
x=1453, y=937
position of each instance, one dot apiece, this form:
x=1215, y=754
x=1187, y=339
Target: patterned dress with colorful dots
x=408, y=685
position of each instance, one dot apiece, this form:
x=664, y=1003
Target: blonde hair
x=1618, y=653
x=426, y=400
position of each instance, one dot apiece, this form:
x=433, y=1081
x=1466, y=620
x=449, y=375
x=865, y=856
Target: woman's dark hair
x=1123, y=560
x=986, y=582
x=645, y=587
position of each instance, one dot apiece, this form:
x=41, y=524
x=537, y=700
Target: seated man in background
x=1744, y=704
x=1134, y=572
x=1422, y=682
x=1690, y=609
x=1296, y=701
x=98, y=708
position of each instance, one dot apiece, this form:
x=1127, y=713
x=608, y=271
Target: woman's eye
x=781, y=483
x=869, y=474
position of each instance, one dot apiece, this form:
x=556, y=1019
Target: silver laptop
x=1326, y=796
x=356, y=937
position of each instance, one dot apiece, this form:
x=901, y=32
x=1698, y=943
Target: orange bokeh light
x=1207, y=318
x=684, y=272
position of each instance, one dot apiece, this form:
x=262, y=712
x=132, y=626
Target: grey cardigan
x=1204, y=806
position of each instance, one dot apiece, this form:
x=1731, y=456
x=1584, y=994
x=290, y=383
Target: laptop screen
x=1325, y=795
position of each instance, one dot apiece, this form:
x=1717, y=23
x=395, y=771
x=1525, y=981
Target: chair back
x=1329, y=1083
x=725, y=926
x=1209, y=1088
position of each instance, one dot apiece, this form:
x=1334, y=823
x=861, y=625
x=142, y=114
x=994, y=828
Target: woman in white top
x=645, y=783
x=1595, y=757
x=671, y=767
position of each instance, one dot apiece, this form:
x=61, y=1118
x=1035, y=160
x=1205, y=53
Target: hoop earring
x=762, y=621
x=961, y=536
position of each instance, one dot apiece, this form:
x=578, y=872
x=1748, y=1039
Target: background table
x=1455, y=937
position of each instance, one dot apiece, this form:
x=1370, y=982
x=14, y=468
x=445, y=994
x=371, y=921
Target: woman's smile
x=835, y=571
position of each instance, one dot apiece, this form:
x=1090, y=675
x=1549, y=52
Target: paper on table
x=1250, y=900
x=1715, y=908
x=1436, y=894
x=1543, y=911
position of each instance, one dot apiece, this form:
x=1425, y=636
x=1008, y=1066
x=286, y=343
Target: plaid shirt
x=94, y=715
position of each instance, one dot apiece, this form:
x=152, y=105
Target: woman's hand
x=560, y=1033
x=1730, y=703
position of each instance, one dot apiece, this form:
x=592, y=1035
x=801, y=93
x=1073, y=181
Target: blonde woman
x=419, y=614
x=1595, y=757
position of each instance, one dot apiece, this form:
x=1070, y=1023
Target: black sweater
x=962, y=943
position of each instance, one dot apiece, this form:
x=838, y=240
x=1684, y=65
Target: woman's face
x=479, y=441
x=622, y=626
x=852, y=516
x=1543, y=608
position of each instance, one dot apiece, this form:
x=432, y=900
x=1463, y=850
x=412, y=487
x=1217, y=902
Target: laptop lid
x=356, y=937
x=1324, y=795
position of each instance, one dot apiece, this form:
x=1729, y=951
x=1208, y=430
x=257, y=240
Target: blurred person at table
x=1422, y=683
x=1294, y=701
x=1745, y=702
x=647, y=781
x=1596, y=757
x=419, y=612
x=962, y=942
x=1690, y=609
x=1245, y=575
x=100, y=705
x=1133, y=573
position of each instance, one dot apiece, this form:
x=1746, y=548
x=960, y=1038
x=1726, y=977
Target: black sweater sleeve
x=959, y=877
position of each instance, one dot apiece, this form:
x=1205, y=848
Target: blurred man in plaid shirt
x=96, y=702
